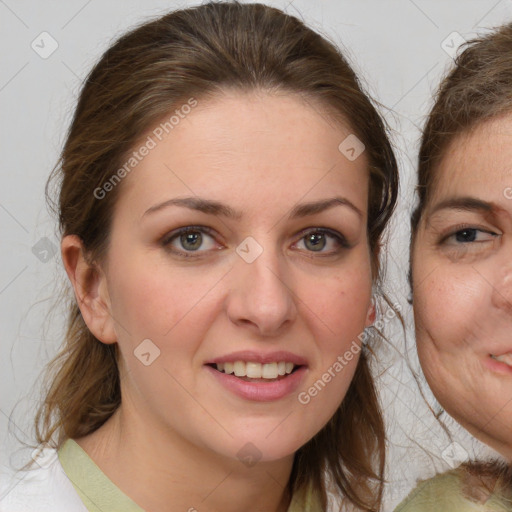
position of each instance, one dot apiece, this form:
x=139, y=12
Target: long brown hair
x=148, y=73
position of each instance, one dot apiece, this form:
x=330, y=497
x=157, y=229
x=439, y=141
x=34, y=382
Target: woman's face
x=239, y=244
x=462, y=283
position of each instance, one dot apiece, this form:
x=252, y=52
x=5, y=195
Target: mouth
x=259, y=377
x=500, y=364
x=503, y=358
x=251, y=371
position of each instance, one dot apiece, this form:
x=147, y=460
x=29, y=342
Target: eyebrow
x=196, y=203
x=465, y=203
x=303, y=210
x=216, y=208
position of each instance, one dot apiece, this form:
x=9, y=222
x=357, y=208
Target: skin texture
x=177, y=433
x=462, y=283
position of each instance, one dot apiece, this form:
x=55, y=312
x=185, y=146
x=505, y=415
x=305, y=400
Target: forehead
x=479, y=161
x=275, y=147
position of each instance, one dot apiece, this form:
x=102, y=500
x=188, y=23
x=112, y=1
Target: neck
x=155, y=467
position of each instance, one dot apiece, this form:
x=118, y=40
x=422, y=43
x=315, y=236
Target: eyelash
x=445, y=239
x=170, y=237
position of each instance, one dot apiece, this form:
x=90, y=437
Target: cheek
x=146, y=304
x=173, y=308
x=446, y=305
x=338, y=309
x=158, y=302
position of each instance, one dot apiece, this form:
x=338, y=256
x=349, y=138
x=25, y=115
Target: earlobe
x=371, y=314
x=90, y=287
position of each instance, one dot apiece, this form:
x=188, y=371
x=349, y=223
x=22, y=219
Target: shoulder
x=447, y=492
x=45, y=488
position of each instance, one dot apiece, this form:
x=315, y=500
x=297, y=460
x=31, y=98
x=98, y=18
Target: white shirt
x=45, y=488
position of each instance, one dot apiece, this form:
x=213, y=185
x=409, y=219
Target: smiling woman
x=462, y=269
x=221, y=277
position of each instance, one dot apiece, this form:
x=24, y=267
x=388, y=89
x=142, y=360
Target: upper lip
x=259, y=357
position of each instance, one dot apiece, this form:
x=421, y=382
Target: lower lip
x=498, y=366
x=260, y=391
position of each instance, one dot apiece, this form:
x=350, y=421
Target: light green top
x=99, y=493
x=443, y=493
x=95, y=489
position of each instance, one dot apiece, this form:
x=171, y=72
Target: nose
x=260, y=298
x=502, y=287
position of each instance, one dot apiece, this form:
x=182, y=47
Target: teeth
x=505, y=358
x=253, y=370
x=256, y=370
x=240, y=370
x=270, y=371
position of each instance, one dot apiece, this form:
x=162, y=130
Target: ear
x=371, y=314
x=91, y=291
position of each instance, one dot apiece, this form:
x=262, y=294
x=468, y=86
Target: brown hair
x=477, y=89
x=146, y=74
x=480, y=480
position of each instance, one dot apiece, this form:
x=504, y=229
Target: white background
x=395, y=45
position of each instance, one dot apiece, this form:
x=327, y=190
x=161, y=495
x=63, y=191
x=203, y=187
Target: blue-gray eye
x=322, y=241
x=191, y=241
x=315, y=241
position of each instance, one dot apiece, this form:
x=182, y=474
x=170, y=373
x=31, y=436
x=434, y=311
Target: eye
x=322, y=241
x=190, y=239
x=469, y=235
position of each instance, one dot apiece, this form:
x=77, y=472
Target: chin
x=264, y=448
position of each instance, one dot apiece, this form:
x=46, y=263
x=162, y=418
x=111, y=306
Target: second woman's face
x=462, y=283
x=238, y=275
